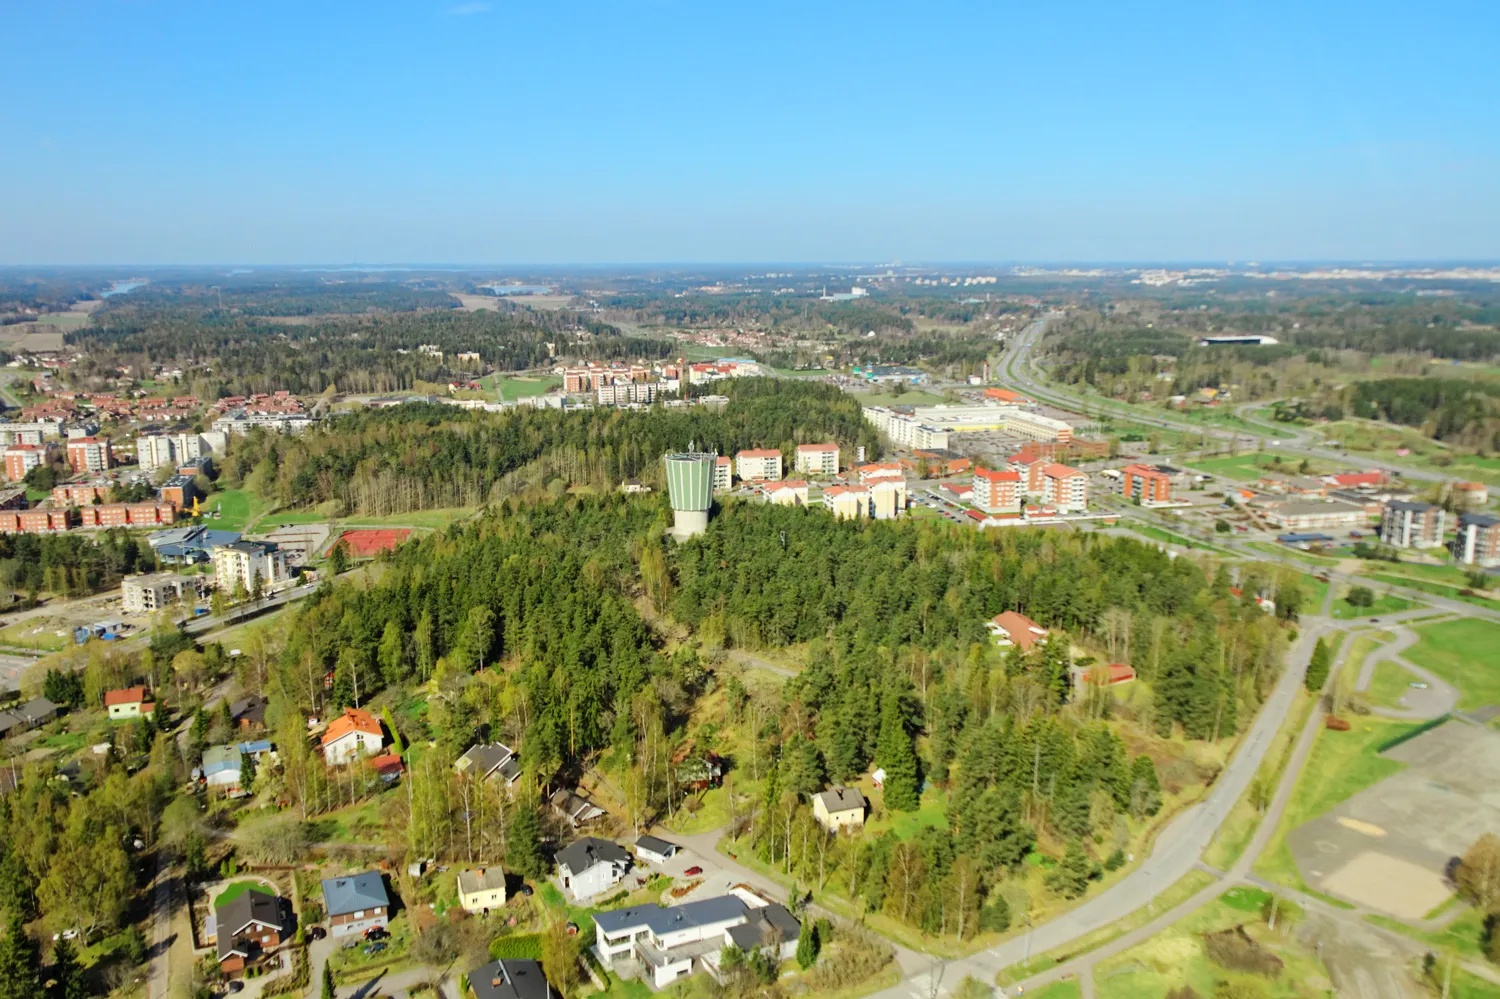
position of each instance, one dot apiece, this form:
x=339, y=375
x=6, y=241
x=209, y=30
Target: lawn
x=1068, y=989
x=1249, y=466
x=1177, y=956
x=1296, y=553
x=1388, y=685
x=1462, y=652
x=1465, y=934
x=33, y=634
x=1436, y=589
x=515, y=387
x=1341, y=765
x=236, y=509
x=1385, y=603
x=1161, y=534
x=803, y=372
x=237, y=889
x=1449, y=574
x=931, y=811
x=911, y=397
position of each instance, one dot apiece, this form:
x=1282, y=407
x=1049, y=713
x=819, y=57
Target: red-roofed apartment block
x=997, y=492
x=758, y=464
x=1065, y=488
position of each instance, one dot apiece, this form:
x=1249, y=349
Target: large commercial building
x=758, y=464
x=1405, y=524
x=818, y=459
x=1035, y=427
x=1478, y=540
x=1310, y=515
x=690, y=487
x=244, y=562
x=997, y=492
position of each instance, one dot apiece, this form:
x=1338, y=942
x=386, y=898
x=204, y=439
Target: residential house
x=129, y=704
x=221, y=769
x=511, y=979
x=880, y=471
x=247, y=927
x=574, y=807
x=490, y=761
x=671, y=943
x=1471, y=495
x=591, y=866
x=839, y=808
x=249, y=713
x=817, y=459
x=481, y=889
x=653, y=850
x=25, y=717
x=1010, y=628
x=356, y=903
x=1102, y=676
x=352, y=735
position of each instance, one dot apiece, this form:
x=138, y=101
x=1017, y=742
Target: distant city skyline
x=340, y=133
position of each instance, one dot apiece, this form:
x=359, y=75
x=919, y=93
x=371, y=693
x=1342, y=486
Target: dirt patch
x=33, y=337
x=1364, y=828
x=1388, y=884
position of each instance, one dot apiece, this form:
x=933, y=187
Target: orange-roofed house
x=758, y=464
x=880, y=471
x=129, y=704
x=997, y=492
x=787, y=492
x=1010, y=628
x=352, y=735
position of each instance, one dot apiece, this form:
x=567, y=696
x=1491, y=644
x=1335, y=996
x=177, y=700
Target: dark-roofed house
x=490, y=761
x=34, y=712
x=251, y=924
x=653, y=850
x=839, y=808
x=591, y=865
x=669, y=942
x=249, y=713
x=356, y=903
x=574, y=807
x=512, y=979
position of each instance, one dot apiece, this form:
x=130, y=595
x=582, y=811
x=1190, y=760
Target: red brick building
x=1145, y=483
x=22, y=458
x=33, y=521
x=90, y=454
x=148, y=514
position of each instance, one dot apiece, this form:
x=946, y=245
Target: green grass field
x=1058, y=990
x=516, y=387
x=932, y=811
x=1436, y=589
x=1287, y=551
x=911, y=397
x=236, y=509
x=1385, y=603
x=1177, y=956
x=1463, y=653
x=803, y=372
x=32, y=634
x=1249, y=466
x=428, y=519
x=1388, y=684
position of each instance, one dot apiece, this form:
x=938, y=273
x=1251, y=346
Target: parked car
x=1417, y=685
x=376, y=933
x=316, y=933
x=374, y=948
x=526, y=890
x=692, y=872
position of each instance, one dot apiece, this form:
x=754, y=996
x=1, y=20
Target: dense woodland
x=414, y=457
x=223, y=353
x=73, y=564
x=1455, y=410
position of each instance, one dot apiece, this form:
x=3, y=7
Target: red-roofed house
x=1355, y=480
x=1010, y=628
x=758, y=464
x=997, y=492
x=1103, y=676
x=352, y=735
x=877, y=471
x=787, y=492
x=129, y=704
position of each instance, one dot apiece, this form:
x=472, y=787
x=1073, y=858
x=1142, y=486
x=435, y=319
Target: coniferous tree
x=897, y=755
x=69, y=979
x=20, y=964
x=807, y=945
x=524, y=849
x=1317, y=668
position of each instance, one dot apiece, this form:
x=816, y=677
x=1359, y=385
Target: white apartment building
x=155, y=450
x=818, y=459
x=243, y=561
x=723, y=474
x=887, y=498
x=758, y=464
x=29, y=433
x=906, y=430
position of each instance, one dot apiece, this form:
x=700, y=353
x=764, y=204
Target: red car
x=692, y=872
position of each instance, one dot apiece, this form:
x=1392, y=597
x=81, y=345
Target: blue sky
x=148, y=131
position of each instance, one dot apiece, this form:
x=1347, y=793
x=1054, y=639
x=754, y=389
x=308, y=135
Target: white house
x=591, y=866
x=351, y=736
x=653, y=850
x=668, y=942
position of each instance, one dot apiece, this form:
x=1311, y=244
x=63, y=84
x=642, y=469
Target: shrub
x=517, y=946
x=1238, y=951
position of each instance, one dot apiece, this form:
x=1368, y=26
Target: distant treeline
x=1457, y=410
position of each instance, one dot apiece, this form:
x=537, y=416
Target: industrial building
x=690, y=477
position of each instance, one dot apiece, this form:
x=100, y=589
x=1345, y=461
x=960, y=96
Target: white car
x=1417, y=685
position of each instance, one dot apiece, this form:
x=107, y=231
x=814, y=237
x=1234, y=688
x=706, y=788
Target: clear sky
x=256, y=131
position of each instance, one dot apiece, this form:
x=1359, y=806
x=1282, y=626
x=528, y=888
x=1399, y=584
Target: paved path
x=1439, y=697
x=158, y=965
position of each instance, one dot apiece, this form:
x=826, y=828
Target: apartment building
x=29, y=433
x=818, y=459
x=1405, y=524
x=22, y=458
x=786, y=492
x=847, y=502
x=149, y=594
x=887, y=498
x=90, y=454
x=880, y=472
x=81, y=493
x=723, y=474
x=758, y=464
x=1478, y=540
x=997, y=492
x=33, y=521
x=243, y=562
x=1150, y=485
x=1028, y=464
x=155, y=450
x=102, y=516
x=1064, y=488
